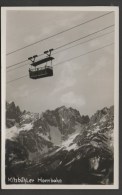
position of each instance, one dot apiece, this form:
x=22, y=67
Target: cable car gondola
x=44, y=71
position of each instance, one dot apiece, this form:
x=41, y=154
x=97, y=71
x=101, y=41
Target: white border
x=116, y=98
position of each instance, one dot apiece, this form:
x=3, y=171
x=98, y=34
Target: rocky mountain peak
x=102, y=115
x=65, y=119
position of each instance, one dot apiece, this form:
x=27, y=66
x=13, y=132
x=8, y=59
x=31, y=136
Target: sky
x=85, y=83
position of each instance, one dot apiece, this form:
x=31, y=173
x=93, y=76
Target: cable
x=67, y=60
x=65, y=44
x=17, y=78
x=11, y=52
x=83, y=42
x=16, y=64
x=17, y=67
x=85, y=36
x=67, y=48
x=83, y=54
x=22, y=61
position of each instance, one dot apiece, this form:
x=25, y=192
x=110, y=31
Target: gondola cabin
x=42, y=68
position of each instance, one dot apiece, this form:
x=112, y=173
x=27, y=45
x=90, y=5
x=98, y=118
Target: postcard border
x=116, y=111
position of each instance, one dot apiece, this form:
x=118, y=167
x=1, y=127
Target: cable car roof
x=42, y=61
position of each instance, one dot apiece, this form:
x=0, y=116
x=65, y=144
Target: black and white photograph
x=60, y=97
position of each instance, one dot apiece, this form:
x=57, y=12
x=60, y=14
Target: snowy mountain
x=60, y=143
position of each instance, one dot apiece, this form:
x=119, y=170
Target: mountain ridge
x=60, y=142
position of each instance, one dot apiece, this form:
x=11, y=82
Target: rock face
x=13, y=114
x=60, y=143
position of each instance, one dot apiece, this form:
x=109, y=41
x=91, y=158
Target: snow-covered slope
x=12, y=133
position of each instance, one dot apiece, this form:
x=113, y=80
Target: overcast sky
x=85, y=83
